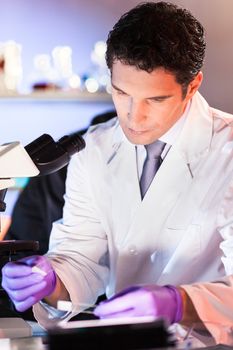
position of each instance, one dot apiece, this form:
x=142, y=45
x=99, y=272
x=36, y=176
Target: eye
x=158, y=100
x=119, y=92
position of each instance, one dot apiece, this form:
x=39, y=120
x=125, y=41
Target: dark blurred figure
x=41, y=203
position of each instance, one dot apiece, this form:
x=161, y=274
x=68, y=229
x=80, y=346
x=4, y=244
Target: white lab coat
x=182, y=231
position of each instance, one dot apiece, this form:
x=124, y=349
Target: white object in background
x=62, y=60
x=13, y=70
x=14, y=327
x=64, y=305
x=98, y=54
x=16, y=162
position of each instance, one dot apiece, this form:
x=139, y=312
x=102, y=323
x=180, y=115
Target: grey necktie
x=151, y=164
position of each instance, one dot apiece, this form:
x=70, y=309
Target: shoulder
x=222, y=126
x=223, y=132
x=103, y=128
x=221, y=116
x=222, y=121
x=104, y=134
x=100, y=141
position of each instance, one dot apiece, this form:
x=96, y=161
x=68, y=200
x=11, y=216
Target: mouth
x=137, y=132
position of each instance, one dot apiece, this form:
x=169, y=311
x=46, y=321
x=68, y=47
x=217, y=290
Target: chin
x=138, y=140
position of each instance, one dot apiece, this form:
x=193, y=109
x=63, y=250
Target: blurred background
x=53, y=78
x=54, y=54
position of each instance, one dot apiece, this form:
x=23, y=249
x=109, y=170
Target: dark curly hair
x=154, y=35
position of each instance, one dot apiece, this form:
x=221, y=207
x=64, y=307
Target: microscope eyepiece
x=72, y=143
x=35, y=147
x=50, y=156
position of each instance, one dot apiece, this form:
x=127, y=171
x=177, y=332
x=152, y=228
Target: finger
x=117, y=305
x=23, y=294
x=22, y=282
x=15, y=269
x=22, y=306
x=121, y=314
x=125, y=291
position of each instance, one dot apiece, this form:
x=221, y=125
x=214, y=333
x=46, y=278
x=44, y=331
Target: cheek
x=168, y=112
x=120, y=102
x=163, y=118
x=121, y=107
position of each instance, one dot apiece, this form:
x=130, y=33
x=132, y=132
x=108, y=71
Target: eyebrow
x=155, y=98
x=118, y=89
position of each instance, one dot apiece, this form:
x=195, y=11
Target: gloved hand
x=28, y=280
x=148, y=300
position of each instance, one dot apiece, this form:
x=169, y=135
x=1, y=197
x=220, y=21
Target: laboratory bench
x=59, y=339
x=29, y=343
x=39, y=343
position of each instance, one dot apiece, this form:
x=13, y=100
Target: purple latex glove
x=148, y=300
x=25, y=284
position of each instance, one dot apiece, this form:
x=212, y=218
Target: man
x=162, y=244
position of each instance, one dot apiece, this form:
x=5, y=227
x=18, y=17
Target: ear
x=194, y=85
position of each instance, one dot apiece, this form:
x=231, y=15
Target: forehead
x=132, y=80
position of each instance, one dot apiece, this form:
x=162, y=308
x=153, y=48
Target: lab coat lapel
x=123, y=185
x=159, y=200
x=174, y=176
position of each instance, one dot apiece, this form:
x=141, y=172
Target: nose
x=136, y=112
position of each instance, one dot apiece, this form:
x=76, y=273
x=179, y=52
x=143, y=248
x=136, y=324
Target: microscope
x=41, y=157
